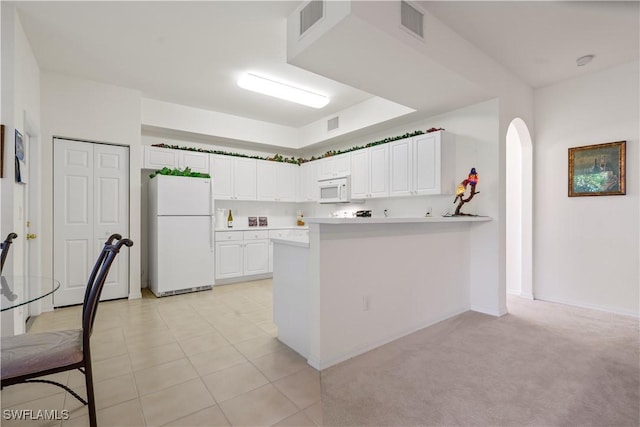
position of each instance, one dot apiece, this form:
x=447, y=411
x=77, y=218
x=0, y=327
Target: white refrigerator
x=181, y=239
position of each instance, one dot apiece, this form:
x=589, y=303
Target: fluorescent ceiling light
x=282, y=91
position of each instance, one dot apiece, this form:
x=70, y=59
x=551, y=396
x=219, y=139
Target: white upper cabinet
x=370, y=172
x=244, y=178
x=197, y=162
x=158, y=158
x=379, y=171
x=434, y=163
x=286, y=182
x=222, y=173
x=266, y=180
x=424, y=164
x=276, y=181
x=234, y=178
x=334, y=166
x=401, y=167
x=308, y=182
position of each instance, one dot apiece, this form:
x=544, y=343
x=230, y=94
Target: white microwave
x=334, y=190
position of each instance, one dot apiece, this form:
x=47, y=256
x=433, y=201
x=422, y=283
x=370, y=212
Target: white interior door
x=91, y=201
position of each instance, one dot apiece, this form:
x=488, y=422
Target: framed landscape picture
x=597, y=170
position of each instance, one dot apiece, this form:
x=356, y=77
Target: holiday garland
x=300, y=160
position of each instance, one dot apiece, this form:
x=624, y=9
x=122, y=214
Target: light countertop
x=302, y=243
x=270, y=227
x=392, y=220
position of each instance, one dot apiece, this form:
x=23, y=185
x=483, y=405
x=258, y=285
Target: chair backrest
x=5, y=249
x=96, y=282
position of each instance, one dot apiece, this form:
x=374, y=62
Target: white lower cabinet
x=256, y=252
x=241, y=253
x=229, y=254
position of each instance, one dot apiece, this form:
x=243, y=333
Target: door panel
x=76, y=263
x=91, y=202
x=111, y=212
x=256, y=257
x=77, y=208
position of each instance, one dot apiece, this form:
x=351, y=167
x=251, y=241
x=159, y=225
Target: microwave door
x=329, y=193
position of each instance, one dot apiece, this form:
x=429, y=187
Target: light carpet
x=543, y=364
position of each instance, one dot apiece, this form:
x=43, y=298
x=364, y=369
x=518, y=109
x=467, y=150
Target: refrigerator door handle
x=212, y=242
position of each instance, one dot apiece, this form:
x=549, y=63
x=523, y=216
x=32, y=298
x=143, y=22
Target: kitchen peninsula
x=362, y=282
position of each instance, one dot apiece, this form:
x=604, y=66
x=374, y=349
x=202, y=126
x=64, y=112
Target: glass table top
x=20, y=290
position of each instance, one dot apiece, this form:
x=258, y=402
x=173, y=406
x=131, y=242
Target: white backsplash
x=278, y=214
x=398, y=207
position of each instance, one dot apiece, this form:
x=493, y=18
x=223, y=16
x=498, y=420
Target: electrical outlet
x=428, y=211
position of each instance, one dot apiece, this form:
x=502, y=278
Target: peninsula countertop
x=397, y=220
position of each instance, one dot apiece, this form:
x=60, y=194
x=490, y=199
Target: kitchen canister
x=221, y=218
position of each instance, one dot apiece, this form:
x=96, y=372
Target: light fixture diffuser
x=282, y=90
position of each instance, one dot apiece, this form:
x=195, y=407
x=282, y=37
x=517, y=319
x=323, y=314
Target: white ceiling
x=192, y=53
x=539, y=41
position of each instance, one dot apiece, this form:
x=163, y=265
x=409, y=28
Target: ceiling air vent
x=311, y=14
x=411, y=18
x=333, y=123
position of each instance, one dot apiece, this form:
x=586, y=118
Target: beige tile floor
x=201, y=359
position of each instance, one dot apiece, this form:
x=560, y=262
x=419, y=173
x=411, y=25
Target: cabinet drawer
x=278, y=234
x=226, y=236
x=254, y=235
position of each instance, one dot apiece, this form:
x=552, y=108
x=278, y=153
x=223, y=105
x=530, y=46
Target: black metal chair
x=30, y=356
x=5, y=248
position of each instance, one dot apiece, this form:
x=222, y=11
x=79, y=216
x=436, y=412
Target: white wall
x=586, y=248
x=514, y=212
x=91, y=111
x=20, y=100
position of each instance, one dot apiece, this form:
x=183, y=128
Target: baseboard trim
x=606, y=309
x=243, y=279
x=321, y=363
x=490, y=311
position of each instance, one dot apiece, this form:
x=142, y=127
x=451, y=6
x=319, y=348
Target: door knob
x=31, y=236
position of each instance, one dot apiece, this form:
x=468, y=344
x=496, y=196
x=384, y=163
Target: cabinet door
x=244, y=178
x=222, y=174
x=401, y=168
x=378, y=171
x=308, y=182
x=360, y=174
x=334, y=166
x=286, y=175
x=158, y=158
x=229, y=259
x=324, y=168
x=342, y=164
x=266, y=180
x=197, y=162
x=426, y=163
x=256, y=257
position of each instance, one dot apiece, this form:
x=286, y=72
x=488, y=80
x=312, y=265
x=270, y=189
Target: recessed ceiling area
x=188, y=53
x=192, y=53
x=539, y=41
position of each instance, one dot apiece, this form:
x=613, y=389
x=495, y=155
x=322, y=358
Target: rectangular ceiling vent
x=333, y=124
x=411, y=19
x=311, y=14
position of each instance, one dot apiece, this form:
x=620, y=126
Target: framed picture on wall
x=597, y=170
x=21, y=159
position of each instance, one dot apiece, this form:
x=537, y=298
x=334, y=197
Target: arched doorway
x=519, y=170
